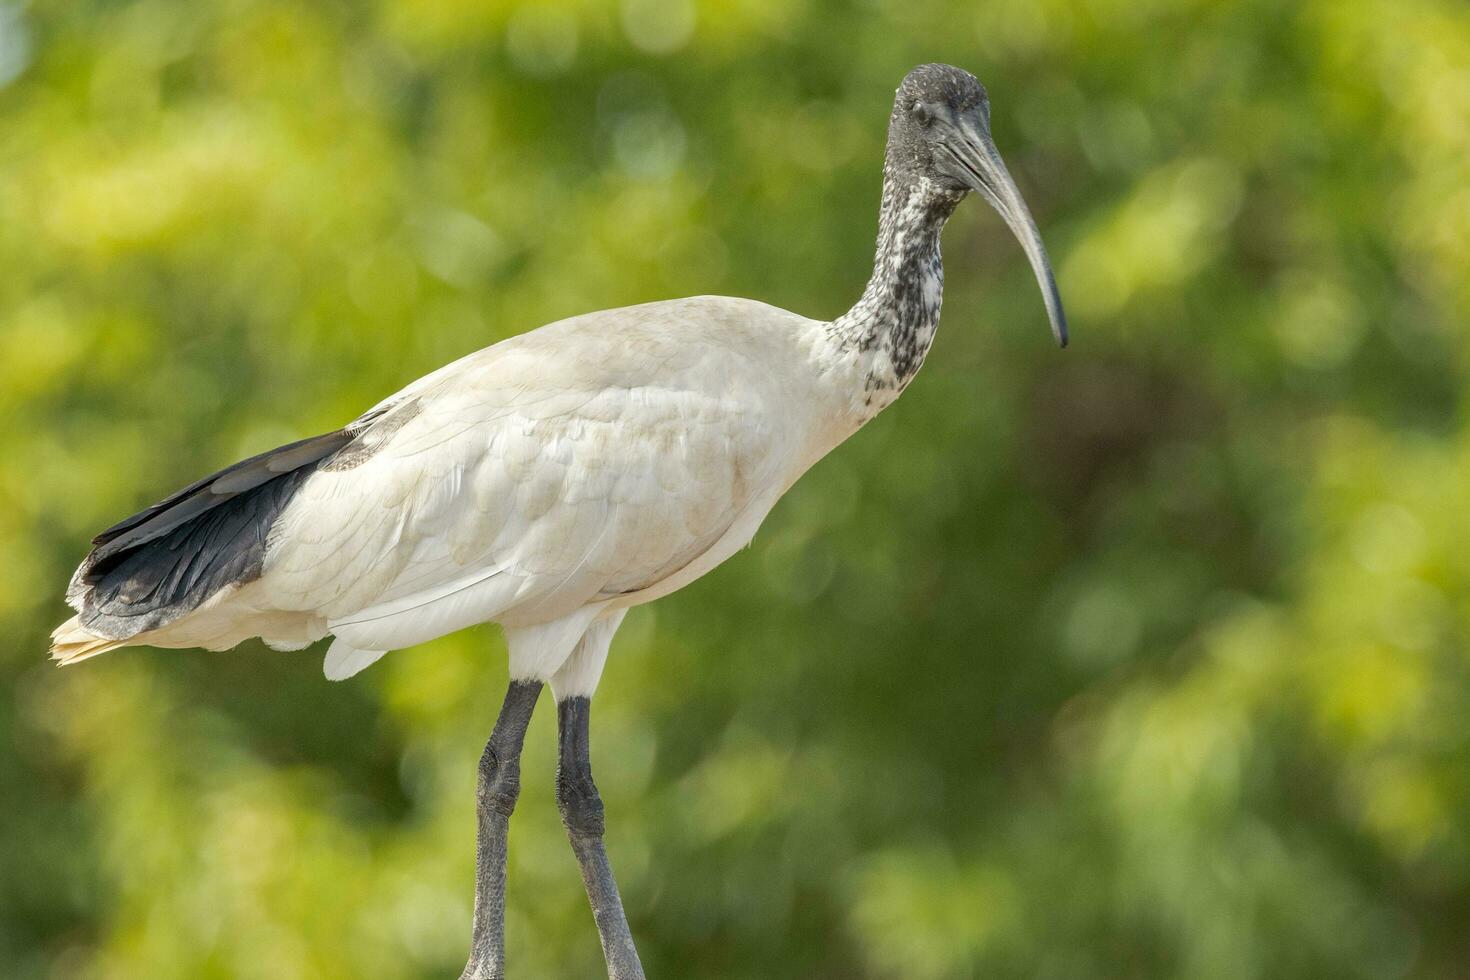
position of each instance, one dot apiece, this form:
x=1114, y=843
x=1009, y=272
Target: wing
x=546, y=473
x=163, y=562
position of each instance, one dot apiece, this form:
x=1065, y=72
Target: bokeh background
x=1146, y=659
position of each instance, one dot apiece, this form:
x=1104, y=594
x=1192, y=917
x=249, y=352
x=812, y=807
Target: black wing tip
x=165, y=560
x=326, y=444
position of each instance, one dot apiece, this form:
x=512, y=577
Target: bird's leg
x=495, y=798
x=581, y=812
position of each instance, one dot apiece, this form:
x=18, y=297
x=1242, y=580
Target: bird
x=551, y=482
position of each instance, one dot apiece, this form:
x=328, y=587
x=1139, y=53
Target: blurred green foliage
x=1148, y=659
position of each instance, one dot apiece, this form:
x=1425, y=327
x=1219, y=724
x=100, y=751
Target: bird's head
x=939, y=134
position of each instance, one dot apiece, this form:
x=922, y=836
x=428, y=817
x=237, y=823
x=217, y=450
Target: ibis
x=551, y=482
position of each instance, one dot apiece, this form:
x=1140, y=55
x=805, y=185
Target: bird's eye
x=923, y=114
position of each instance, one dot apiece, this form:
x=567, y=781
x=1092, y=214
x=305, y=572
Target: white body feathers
x=547, y=483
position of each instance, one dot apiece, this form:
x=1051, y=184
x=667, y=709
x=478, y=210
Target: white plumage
x=556, y=479
x=548, y=482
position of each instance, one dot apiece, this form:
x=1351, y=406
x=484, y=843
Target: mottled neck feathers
x=893, y=324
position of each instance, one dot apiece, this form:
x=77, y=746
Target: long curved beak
x=980, y=166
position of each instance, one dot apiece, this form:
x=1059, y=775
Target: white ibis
x=551, y=482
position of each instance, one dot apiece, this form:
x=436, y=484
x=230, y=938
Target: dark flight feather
x=148, y=570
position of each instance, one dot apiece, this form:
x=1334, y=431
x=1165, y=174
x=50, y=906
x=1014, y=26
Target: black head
x=929, y=101
x=939, y=138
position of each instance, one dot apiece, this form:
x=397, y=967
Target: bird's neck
x=889, y=330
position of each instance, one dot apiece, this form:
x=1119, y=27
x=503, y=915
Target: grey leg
x=495, y=798
x=581, y=812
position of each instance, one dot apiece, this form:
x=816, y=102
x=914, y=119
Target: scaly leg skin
x=495, y=798
x=581, y=812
